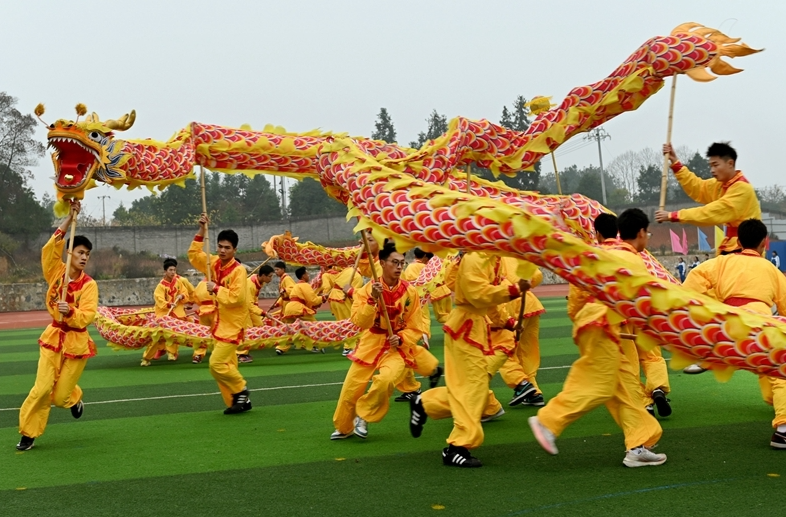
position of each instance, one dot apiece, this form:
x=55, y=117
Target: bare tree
x=18, y=147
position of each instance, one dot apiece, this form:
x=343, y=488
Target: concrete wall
x=111, y=293
x=175, y=241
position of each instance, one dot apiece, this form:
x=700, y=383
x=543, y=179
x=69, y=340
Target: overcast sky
x=332, y=65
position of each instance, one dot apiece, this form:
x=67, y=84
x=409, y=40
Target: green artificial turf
x=153, y=441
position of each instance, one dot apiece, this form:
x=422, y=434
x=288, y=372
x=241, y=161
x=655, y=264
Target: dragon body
x=417, y=197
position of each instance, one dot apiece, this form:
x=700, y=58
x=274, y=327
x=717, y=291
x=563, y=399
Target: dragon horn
x=123, y=123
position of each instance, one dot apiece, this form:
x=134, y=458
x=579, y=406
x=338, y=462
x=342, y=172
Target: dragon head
x=85, y=152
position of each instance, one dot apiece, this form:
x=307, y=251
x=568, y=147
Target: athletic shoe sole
x=538, y=431
x=335, y=436
x=492, y=417
x=633, y=463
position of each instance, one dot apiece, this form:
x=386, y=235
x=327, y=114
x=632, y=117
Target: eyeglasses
x=397, y=263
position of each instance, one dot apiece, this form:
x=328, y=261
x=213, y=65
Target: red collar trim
x=737, y=177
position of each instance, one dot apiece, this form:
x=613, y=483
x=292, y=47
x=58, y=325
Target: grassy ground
x=153, y=441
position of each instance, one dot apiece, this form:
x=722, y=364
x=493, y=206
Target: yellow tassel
x=61, y=208
x=39, y=110
x=81, y=109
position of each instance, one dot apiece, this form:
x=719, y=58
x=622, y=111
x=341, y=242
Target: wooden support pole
x=664, y=179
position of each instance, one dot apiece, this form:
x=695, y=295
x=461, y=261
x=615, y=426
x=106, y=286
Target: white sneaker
x=361, y=428
x=145, y=362
x=544, y=437
x=694, y=369
x=643, y=457
x=171, y=357
x=337, y=435
x=492, y=417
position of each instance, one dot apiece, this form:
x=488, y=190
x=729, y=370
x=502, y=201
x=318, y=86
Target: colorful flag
x=676, y=246
x=703, y=244
x=719, y=236
x=684, y=242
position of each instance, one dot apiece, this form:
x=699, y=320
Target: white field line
x=272, y=388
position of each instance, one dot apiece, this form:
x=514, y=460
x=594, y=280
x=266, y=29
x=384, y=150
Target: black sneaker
x=417, y=417
x=25, y=444
x=661, y=402
x=433, y=379
x=77, y=409
x=778, y=441
x=279, y=352
x=459, y=457
x=240, y=403
x=522, y=392
x=245, y=358
x=650, y=409
x=406, y=397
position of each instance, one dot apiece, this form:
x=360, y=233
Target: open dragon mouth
x=74, y=162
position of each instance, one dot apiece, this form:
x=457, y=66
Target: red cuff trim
x=676, y=166
x=514, y=291
x=674, y=217
x=215, y=289
x=59, y=233
x=351, y=292
x=70, y=312
x=371, y=301
x=510, y=324
x=199, y=238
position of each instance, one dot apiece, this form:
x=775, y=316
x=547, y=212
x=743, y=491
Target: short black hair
x=419, y=253
x=280, y=265
x=168, y=263
x=751, y=233
x=723, y=151
x=81, y=240
x=228, y=235
x=606, y=225
x=388, y=249
x=631, y=222
x=299, y=272
x=265, y=270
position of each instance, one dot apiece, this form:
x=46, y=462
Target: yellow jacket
x=728, y=203
x=67, y=333
x=206, y=302
x=168, y=292
x=403, y=307
x=328, y=281
x=341, y=280
x=476, y=294
x=230, y=295
x=413, y=271
x=582, y=307
x=743, y=280
x=302, y=301
x=285, y=285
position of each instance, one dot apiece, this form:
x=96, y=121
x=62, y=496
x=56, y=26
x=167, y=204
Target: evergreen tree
x=437, y=126
x=384, y=129
x=307, y=197
x=648, y=181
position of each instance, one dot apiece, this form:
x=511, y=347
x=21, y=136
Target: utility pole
x=283, y=197
x=103, y=209
x=600, y=134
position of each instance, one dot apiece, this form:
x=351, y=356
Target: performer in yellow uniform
x=327, y=280
x=303, y=304
x=651, y=361
x=603, y=374
x=520, y=370
x=749, y=281
x=467, y=347
x=285, y=286
x=377, y=351
x=206, y=309
x=171, y=296
x=228, y=286
x=728, y=199
x=340, y=301
x=65, y=345
x=256, y=315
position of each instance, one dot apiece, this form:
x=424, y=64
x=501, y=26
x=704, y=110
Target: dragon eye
x=95, y=136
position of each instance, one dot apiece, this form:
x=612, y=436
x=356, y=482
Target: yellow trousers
x=223, y=368
x=409, y=383
x=55, y=383
x=285, y=347
x=523, y=365
x=341, y=310
x=466, y=397
x=151, y=350
x=773, y=391
x=442, y=308
x=602, y=375
x=374, y=405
